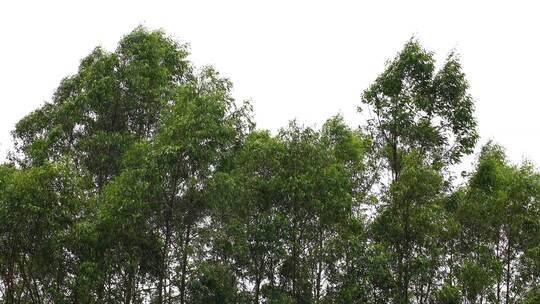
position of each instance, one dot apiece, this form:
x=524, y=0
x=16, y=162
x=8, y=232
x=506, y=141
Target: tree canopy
x=144, y=181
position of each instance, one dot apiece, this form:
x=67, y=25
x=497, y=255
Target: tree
x=496, y=215
x=149, y=131
x=199, y=131
x=38, y=211
x=422, y=121
x=246, y=228
x=416, y=108
x=409, y=226
x=281, y=209
x=114, y=100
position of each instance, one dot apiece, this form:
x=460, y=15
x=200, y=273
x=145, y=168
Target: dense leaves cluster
x=143, y=181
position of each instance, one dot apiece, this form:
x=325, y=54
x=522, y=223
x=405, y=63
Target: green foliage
x=213, y=284
x=448, y=294
x=533, y=296
x=417, y=107
x=144, y=181
x=114, y=100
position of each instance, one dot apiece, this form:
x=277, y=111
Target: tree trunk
x=319, y=267
x=257, y=288
x=184, y=265
x=130, y=283
x=164, y=261
x=498, y=278
x=10, y=290
x=508, y=271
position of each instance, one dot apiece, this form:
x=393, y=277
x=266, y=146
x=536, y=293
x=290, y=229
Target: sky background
x=307, y=60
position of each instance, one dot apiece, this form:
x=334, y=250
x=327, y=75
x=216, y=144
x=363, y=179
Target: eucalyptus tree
x=281, y=211
x=198, y=134
x=320, y=189
x=408, y=226
x=39, y=208
x=499, y=223
x=342, y=239
x=148, y=130
x=417, y=112
x=113, y=100
x=246, y=229
x=415, y=107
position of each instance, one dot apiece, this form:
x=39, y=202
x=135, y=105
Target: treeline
x=143, y=181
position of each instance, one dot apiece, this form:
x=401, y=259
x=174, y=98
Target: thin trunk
x=164, y=263
x=130, y=286
x=319, y=275
x=30, y=284
x=101, y=288
x=508, y=271
x=498, y=278
x=405, y=255
x=36, y=288
x=294, y=257
x=319, y=267
x=160, y=290
x=162, y=285
x=10, y=290
x=184, y=265
x=257, y=288
x=271, y=274
x=430, y=283
x=164, y=266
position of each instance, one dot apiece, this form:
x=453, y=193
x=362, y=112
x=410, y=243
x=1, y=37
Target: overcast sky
x=294, y=59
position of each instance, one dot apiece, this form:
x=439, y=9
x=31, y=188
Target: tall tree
x=287, y=200
x=38, y=210
x=417, y=113
x=498, y=216
x=415, y=107
x=114, y=100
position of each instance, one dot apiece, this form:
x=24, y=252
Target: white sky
x=295, y=59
